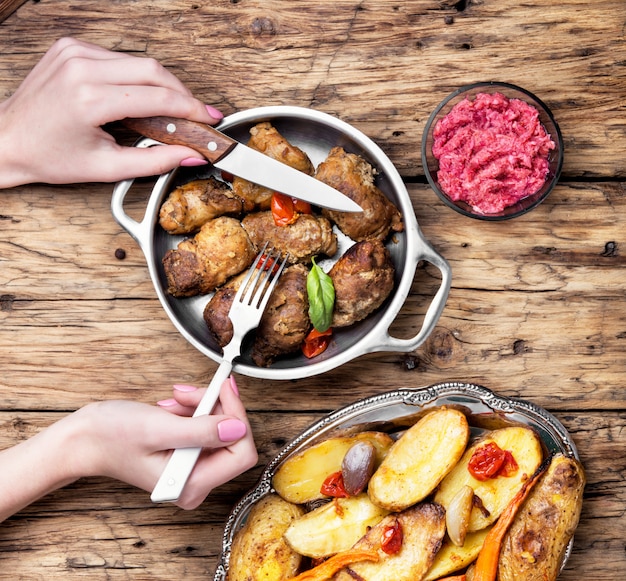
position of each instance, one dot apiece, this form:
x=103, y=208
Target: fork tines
x=262, y=276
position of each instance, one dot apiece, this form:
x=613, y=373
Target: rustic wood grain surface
x=537, y=305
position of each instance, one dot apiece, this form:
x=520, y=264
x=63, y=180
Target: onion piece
x=357, y=466
x=458, y=515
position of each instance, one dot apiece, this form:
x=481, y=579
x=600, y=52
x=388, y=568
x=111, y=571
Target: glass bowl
x=555, y=156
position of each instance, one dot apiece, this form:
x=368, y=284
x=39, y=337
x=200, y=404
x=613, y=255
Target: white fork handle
x=179, y=466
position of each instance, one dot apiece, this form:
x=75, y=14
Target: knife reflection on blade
x=240, y=160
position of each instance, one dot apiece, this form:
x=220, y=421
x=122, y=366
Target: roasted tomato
x=316, y=342
x=301, y=206
x=490, y=461
x=333, y=486
x=268, y=264
x=285, y=209
x=392, y=536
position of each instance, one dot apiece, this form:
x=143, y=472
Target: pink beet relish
x=493, y=152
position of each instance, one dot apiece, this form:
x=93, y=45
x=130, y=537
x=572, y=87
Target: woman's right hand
x=51, y=127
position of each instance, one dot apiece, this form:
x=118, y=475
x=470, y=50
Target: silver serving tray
x=394, y=411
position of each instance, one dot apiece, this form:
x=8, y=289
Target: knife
x=240, y=160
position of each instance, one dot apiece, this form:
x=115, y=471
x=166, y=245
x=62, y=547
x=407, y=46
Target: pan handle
x=389, y=343
x=140, y=231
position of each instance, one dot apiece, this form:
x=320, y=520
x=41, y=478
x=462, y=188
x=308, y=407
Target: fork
x=245, y=314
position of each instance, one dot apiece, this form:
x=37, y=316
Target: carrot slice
x=327, y=569
x=487, y=562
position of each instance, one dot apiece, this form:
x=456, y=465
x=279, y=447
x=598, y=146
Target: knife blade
x=240, y=160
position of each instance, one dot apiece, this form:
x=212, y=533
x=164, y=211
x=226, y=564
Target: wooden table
x=537, y=306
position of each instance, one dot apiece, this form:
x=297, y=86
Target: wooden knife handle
x=206, y=140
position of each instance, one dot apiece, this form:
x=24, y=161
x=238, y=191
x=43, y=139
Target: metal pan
x=394, y=411
x=316, y=133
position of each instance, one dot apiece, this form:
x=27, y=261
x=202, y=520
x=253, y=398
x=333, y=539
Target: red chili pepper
x=316, y=342
x=392, y=537
x=333, y=486
x=486, y=461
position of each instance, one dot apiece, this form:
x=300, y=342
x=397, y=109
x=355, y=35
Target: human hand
x=51, y=127
x=131, y=442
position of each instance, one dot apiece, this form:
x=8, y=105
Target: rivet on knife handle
x=208, y=141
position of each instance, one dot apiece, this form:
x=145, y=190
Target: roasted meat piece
x=221, y=249
x=193, y=204
x=308, y=236
x=284, y=324
x=265, y=138
x=354, y=177
x=216, y=310
x=363, y=278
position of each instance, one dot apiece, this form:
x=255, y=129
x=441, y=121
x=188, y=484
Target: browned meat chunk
x=191, y=205
x=308, y=236
x=216, y=310
x=266, y=139
x=354, y=177
x=363, y=278
x=284, y=324
x=200, y=264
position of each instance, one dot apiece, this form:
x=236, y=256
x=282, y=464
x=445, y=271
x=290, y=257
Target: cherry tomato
x=392, y=537
x=227, y=176
x=509, y=466
x=286, y=209
x=271, y=264
x=486, y=461
x=301, y=206
x=316, y=342
x=283, y=210
x=333, y=486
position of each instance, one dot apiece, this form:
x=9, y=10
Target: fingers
x=212, y=431
x=215, y=469
x=187, y=397
x=119, y=163
x=117, y=85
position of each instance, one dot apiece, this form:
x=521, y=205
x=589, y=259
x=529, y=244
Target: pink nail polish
x=233, y=385
x=215, y=113
x=231, y=430
x=192, y=162
x=184, y=387
x=167, y=403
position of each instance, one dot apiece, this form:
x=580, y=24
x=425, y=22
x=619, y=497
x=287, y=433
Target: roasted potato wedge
x=300, y=478
x=259, y=551
x=451, y=558
x=534, y=546
x=423, y=528
x=420, y=459
x=334, y=526
x=494, y=493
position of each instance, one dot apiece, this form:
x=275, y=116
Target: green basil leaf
x=321, y=291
